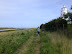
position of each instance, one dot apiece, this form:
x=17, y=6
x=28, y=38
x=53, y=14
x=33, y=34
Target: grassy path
x=23, y=48
x=37, y=45
x=34, y=47
x=31, y=46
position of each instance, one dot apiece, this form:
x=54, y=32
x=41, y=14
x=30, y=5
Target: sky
x=30, y=13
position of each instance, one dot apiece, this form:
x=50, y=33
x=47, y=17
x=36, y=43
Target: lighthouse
x=63, y=11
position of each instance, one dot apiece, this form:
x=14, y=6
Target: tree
x=54, y=25
x=41, y=26
x=70, y=16
x=66, y=16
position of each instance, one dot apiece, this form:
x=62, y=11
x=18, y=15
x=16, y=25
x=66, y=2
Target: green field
x=10, y=41
x=27, y=41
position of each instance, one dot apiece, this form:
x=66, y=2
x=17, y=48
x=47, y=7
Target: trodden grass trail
x=31, y=46
x=34, y=47
x=23, y=48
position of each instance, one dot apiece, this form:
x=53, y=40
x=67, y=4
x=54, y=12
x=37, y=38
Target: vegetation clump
x=54, y=25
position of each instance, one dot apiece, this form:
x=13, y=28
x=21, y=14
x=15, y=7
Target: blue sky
x=30, y=13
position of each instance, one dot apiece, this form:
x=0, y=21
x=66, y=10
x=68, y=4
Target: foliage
x=54, y=25
x=65, y=16
x=68, y=15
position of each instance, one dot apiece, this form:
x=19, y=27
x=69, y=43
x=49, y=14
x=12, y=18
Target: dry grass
x=55, y=43
x=62, y=42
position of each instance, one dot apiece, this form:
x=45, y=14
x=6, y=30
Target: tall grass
x=66, y=32
x=11, y=41
x=54, y=43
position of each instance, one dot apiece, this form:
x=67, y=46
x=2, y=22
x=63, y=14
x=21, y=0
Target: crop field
x=27, y=41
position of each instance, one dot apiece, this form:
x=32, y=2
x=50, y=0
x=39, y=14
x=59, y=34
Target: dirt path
x=24, y=47
x=32, y=46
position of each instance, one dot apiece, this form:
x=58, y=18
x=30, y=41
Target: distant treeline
x=54, y=25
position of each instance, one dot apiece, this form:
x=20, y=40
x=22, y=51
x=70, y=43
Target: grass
x=31, y=47
x=11, y=41
x=54, y=43
x=47, y=43
x=34, y=46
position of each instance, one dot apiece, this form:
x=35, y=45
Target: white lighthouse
x=63, y=11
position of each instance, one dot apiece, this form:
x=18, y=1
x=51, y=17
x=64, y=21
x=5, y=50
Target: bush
x=54, y=25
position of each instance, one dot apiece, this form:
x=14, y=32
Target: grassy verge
x=53, y=43
x=11, y=41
